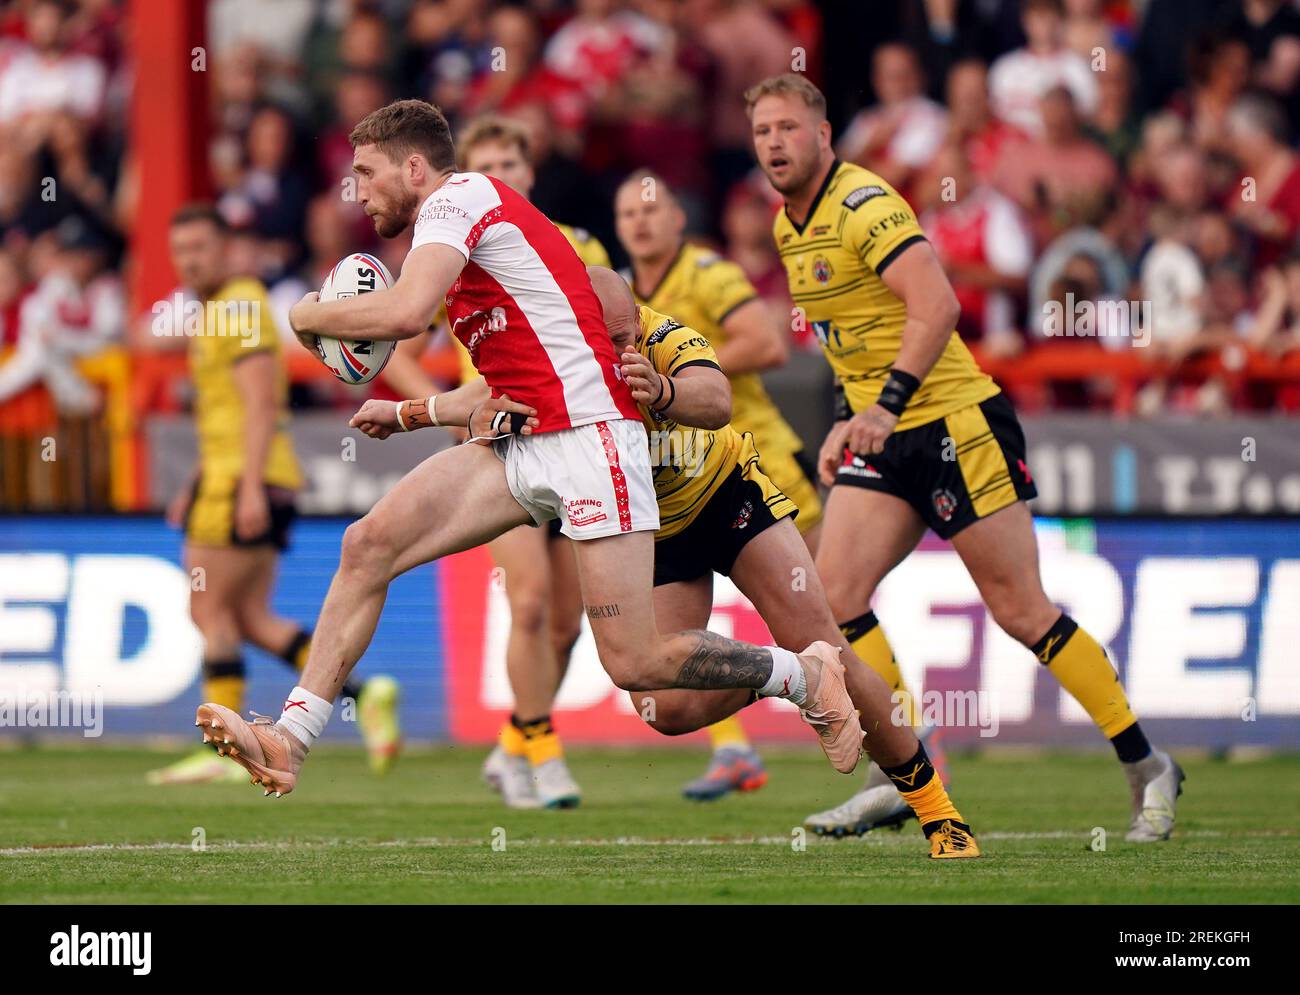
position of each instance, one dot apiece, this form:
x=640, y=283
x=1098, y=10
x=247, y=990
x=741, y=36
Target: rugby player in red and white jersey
x=519, y=298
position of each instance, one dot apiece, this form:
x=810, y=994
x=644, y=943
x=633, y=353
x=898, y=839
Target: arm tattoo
x=716, y=662
x=603, y=611
x=417, y=414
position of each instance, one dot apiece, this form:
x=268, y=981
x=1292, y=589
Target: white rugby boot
x=1155, y=781
x=876, y=806
x=517, y=787
x=554, y=786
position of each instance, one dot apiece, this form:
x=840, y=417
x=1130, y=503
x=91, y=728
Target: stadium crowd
x=1059, y=152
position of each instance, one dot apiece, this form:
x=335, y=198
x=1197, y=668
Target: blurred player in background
x=924, y=437
x=711, y=294
x=239, y=506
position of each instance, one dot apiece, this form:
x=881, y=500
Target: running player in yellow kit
x=712, y=294
x=925, y=438
x=239, y=506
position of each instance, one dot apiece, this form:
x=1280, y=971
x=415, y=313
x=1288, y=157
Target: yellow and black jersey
x=237, y=324
x=701, y=289
x=585, y=244
x=589, y=250
x=689, y=464
x=857, y=227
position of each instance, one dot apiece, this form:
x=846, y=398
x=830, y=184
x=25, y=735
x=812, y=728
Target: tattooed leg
x=617, y=574
x=717, y=662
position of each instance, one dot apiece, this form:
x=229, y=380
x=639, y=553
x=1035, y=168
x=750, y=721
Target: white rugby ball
x=352, y=360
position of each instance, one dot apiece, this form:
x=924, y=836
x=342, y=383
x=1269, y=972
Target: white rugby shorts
x=595, y=478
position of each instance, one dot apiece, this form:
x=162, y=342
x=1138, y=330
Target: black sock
x=1054, y=639
x=291, y=652
x=860, y=626
x=1131, y=745
x=913, y=774
x=533, y=728
x=351, y=689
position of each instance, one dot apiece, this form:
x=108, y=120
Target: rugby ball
x=354, y=361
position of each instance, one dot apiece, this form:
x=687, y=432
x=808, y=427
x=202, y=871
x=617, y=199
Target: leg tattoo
x=716, y=663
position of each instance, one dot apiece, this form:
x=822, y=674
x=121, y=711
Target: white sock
x=305, y=715
x=787, y=680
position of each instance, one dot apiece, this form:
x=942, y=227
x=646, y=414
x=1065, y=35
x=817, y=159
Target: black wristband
x=898, y=391
x=672, y=396
x=842, y=410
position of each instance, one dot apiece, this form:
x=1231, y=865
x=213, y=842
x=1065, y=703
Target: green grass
x=425, y=835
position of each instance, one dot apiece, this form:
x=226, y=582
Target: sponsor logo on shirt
x=440, y=210
x=863, y=194
x=893, y=221
x=659, y=333
x=473, y=329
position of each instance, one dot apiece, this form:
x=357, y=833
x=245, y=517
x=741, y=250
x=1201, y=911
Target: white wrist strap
x=401, y=422
x=433, y=410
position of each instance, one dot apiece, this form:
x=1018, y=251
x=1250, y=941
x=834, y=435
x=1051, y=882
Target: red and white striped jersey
x=523, y=305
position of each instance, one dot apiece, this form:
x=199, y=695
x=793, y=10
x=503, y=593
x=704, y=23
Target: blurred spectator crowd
x=1058, y=152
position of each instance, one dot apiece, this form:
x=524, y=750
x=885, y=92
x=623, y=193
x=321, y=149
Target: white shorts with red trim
x=595, y=478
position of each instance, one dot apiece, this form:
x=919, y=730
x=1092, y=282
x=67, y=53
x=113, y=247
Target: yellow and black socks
x=922, y=789
x=295, y=655
x=511, y=739
x=539, y=739
x=223, y=681
x=1083, y=669
x=728, y=734
x=868, y=640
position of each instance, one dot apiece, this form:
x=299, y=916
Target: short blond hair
x=493, y=128
x=787, y=85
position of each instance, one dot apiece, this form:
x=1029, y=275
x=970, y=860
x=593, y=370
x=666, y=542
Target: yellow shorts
x=954, y=470
x=211, y=520
x=798, y=482
x=747, y=504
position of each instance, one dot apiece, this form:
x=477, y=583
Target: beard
x=391, y=224
x=797, y=177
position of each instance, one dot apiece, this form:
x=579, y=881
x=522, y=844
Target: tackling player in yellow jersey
x=924, y=437
x=712, y=295
x=239, y=506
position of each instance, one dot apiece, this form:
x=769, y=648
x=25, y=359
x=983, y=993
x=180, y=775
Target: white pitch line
x=877, y=838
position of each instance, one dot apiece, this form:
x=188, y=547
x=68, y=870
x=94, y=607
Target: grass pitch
x=80, y=825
